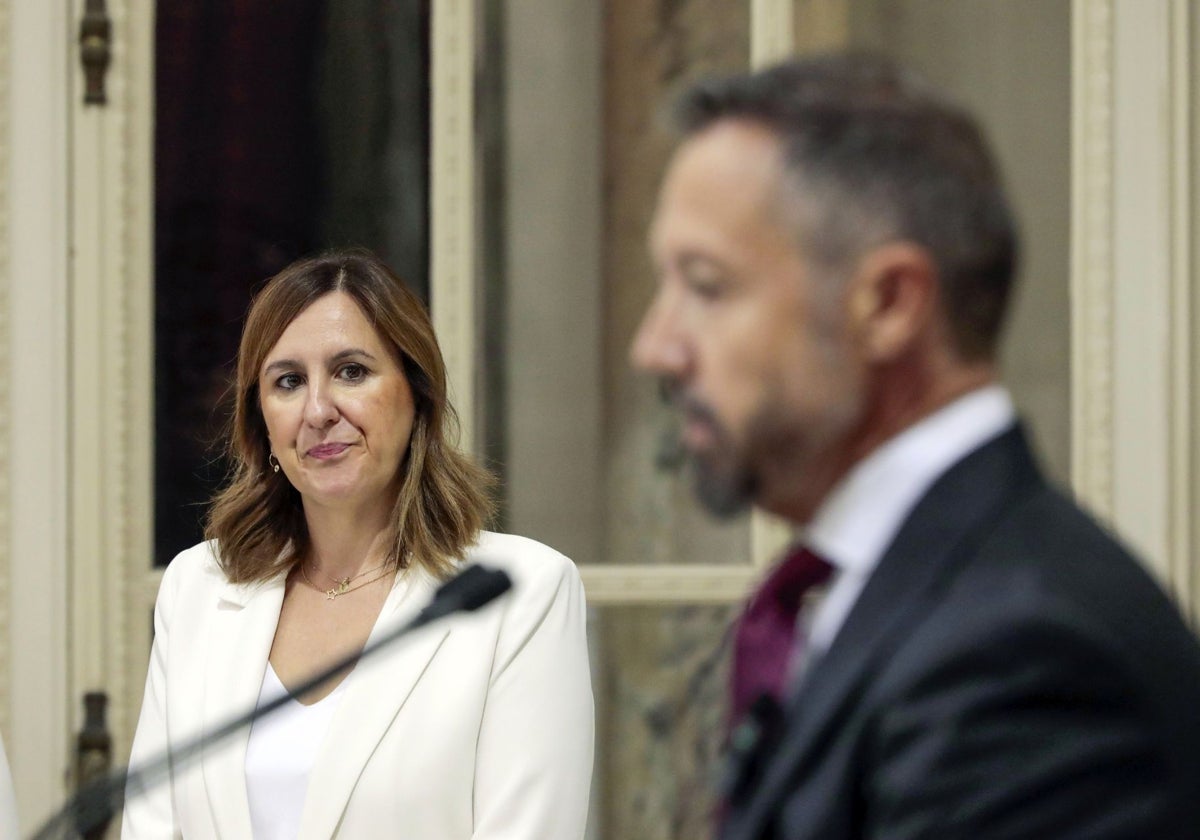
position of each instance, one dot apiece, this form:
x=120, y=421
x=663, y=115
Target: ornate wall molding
x=121, y=562
x=1184, y=532
x=111, y=347
x=5, y=373
x=452, y=209
x=130, y=346
x=1091, y=254
x=1134, y=280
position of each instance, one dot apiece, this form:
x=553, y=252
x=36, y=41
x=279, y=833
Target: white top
x=864, y=512
x=280, y=756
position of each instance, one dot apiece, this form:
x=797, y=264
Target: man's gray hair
x=874, y=154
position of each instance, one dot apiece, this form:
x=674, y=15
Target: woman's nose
x=319, y=408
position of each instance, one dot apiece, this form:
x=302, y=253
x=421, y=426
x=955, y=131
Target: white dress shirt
x=863, y=514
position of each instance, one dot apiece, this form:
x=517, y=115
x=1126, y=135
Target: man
x=834, y=253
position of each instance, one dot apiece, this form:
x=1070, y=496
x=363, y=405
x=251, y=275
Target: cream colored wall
x=553, y=275
x=1010, y=63
x=34, y=338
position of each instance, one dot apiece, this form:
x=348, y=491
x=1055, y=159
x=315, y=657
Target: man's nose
x=659, y=346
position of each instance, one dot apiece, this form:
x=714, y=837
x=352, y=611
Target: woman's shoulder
x=526, y=560
x=516, y=550
x=199, y=562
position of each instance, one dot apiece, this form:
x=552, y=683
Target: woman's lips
x=327, y=450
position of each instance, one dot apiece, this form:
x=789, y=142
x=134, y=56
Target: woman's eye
x=352, y=372
x=288, y=382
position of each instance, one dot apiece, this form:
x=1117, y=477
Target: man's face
x=750, y=344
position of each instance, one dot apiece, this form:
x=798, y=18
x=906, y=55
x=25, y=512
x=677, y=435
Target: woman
x=347, y=507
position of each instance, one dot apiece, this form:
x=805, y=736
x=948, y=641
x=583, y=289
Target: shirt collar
x=863, y=513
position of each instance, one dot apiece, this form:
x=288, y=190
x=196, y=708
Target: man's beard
x=721, y=476
x=731, y=474
x=725, y=487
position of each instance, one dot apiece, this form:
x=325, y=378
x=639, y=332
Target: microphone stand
x=97, y=801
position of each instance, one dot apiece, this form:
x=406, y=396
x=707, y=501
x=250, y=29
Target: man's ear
x=892, y=300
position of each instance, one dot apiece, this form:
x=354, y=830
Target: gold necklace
x=343, y=584
x=343, y=587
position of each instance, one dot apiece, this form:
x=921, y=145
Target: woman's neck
x=343, y=544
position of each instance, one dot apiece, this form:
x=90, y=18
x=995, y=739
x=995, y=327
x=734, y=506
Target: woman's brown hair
x=443, y=501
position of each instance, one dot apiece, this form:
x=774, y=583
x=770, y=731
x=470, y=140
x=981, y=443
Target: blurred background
x=503, y=156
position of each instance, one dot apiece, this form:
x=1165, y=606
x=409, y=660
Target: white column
x=37, y=369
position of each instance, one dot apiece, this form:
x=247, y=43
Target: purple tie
x=765, y=637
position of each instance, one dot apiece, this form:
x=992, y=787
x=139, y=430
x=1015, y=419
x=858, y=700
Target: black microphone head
x=472, y=588
x=749, y=742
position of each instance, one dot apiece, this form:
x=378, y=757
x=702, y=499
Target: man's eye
x=707, y=286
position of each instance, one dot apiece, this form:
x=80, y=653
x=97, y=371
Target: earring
x=274, y=462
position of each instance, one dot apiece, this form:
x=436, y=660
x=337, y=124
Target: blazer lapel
x=375, y=692
x=242, y=633
x=940, y=532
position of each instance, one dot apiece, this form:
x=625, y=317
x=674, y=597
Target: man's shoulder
x=1049, y=551
x=1048, y=583
x=1015, y=534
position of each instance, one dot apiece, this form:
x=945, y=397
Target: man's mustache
x=688, y=405
x=671, y=454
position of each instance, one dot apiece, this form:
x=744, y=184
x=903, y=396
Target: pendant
x=330, y=594
x=343, y=585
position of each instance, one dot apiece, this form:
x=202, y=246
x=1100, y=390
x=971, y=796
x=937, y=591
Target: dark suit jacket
x=1009, y=671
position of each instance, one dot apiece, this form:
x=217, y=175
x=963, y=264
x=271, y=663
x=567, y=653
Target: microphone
x=95, y=803
x=471, y=589
x=749, y=744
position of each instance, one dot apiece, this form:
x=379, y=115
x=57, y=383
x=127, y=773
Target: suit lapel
x=941, y=532
x=375, y=692
x=242, y=633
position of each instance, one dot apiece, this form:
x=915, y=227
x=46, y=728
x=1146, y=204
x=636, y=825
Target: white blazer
x=477, y=727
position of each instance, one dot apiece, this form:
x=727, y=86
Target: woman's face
x=338, y=407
